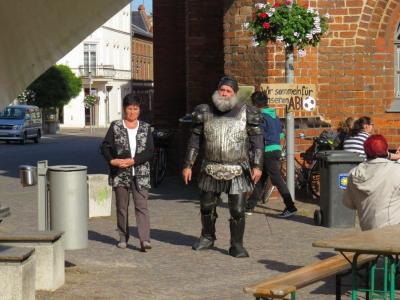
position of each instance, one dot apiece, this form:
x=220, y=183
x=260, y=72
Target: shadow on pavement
x=69, y=264
x=167, y=236
x=173, y=238
x=295, y=218
x=324, y=255
x=278, y=266
x=172, y=188
x=96, y=236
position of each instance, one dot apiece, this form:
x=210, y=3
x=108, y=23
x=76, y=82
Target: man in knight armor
x=228, y=133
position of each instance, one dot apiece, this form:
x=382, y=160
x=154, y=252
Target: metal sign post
x=43, y=203
x=91, y=106
x=289, y=72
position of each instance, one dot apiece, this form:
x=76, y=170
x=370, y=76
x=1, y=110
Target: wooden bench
x=282, y=285
x=50, y=255
x=17, y=273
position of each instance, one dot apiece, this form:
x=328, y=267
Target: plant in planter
x=90, y=100
x=51, y=91
x=287, y=23
x=293, y=26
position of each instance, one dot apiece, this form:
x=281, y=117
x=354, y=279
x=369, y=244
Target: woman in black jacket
x=128, y=148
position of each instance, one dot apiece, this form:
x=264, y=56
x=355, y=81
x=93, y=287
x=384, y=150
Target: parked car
x=21, y=123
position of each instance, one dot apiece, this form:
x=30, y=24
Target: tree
x=55, y=87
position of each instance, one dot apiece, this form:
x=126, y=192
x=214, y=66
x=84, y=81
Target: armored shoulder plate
x=253, y=115
x=199, y=113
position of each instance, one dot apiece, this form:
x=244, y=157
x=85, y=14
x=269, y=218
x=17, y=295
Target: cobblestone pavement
x=171, y=270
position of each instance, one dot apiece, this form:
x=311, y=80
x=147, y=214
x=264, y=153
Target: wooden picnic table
x=383, y=241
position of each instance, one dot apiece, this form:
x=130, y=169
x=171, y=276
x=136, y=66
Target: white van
x=20, y=123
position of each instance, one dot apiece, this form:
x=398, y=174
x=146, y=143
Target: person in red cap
x=374, y=186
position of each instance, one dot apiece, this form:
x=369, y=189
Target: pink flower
x=262, y=15
x=301, y=53
x=288, y=2
x=266, y=25
x=276, y=4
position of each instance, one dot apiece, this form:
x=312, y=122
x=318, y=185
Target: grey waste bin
x=335, y=166
x=68, y=194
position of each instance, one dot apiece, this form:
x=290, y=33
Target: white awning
x=35, y=34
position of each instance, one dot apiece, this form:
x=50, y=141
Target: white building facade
x=103, y=61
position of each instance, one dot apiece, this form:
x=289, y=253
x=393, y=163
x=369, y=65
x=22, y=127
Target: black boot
x=207, y=237
x=237, y=232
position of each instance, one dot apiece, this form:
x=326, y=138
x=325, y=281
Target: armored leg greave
x=237, y=225
x=208, y=219
x=237, y=232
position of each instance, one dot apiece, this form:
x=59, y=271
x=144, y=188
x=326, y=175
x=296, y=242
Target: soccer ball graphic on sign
x=309, y=103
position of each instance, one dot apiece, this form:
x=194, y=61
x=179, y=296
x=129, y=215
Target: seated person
x=344, y=132
x=395, y=156
x=361, y=130
x=374, y=187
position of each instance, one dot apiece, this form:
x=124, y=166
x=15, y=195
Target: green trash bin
x=335, y=166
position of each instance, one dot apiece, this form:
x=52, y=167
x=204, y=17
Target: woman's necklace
x=131, y=125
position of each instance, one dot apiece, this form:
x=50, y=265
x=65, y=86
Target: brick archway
x=375, y=38
x=378, y=23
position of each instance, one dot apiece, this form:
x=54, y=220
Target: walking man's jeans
x=272, y=168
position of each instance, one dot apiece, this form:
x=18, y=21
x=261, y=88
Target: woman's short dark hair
x=259, y=99
x=131, y=99
x=358, y=125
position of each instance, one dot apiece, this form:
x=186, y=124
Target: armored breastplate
x=226, y=138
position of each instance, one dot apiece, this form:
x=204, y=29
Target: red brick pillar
x=169, y=62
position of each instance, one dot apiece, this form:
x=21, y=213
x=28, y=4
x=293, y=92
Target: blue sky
x=148, y=4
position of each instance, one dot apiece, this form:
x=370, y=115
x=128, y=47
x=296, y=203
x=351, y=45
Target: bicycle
x=307, y=173
x=159, y=162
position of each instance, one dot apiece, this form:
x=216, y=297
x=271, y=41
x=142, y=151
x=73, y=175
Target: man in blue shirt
x=272, y=133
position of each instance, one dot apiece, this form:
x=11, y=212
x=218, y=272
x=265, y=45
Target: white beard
x=224, y=104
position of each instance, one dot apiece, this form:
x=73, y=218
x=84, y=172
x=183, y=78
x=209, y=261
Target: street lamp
x=108, y=90
x=90, y=107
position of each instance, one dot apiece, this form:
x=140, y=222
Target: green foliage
x=90, y=100
x=55, y=87
x=26, y=96
x=287, y=23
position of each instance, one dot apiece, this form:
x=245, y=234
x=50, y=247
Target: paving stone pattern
x=171, y=270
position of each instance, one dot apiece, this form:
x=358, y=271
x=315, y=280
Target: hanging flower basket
x=90, y=100
x=287, y=23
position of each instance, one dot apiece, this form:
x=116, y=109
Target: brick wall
x=246, y=63
x=204, y=50
x=189, y=56
x=188, y=62
x=169, y=62
x=352, y=67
